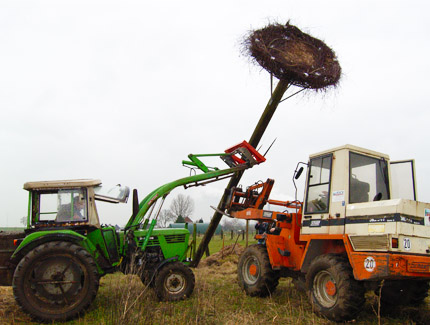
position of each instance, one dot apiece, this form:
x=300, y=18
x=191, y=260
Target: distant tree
x=201, y=220
x=180, y=219
x=233, y=224
x=164, y=218
x=23, y=220
x=182, y=206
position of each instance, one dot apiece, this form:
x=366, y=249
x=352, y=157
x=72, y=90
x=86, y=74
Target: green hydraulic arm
x=238, y=158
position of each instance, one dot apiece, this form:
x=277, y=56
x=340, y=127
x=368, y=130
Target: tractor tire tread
x=268, y=281
x=350, y=298
x=51, y=248
x=171, y=267
x=402, y=293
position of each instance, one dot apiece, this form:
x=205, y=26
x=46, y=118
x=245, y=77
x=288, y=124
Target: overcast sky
x=123, y=91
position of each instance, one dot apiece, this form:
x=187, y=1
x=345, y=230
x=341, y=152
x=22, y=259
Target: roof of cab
x=61, y=184
x=352, y=148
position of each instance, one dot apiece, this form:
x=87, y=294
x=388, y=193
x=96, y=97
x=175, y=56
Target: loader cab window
x=61, y=206
x=368, y=179
x=317, y=198
x=403, y=180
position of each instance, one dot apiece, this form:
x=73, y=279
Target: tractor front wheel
x=332, y=289
x=255, y=273
x=175, y=281
x=55, y=281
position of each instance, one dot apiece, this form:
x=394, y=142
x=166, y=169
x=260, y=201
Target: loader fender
x=317, y=247
x=37, y=238
x=167, y=260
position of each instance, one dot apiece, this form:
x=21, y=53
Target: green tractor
x=55, y=265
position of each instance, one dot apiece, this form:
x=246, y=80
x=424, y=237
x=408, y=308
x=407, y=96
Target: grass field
x=217, y=299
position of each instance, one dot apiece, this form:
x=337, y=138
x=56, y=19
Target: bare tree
x=164, y=218
x=182, y=206
x=233, y=224
x=23, y=221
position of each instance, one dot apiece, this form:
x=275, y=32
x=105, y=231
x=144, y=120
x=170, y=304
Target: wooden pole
x=222, y=249
x=256, y=136
x=194, y=238
x=247, y=232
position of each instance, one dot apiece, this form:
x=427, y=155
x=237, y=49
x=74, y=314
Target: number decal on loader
x=407, y=245
x=369, y=264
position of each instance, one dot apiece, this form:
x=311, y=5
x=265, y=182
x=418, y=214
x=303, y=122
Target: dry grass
x=217, y=299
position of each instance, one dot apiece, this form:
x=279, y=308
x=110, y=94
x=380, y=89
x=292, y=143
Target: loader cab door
x=317, y=201
x=403, y=184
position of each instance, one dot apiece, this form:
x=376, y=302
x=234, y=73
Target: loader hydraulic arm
x=238, y=158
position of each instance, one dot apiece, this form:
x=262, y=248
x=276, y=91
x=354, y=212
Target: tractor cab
x=69, y=203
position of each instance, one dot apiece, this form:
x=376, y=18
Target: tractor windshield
x=368, y=179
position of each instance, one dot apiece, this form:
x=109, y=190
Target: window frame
x=36, y=205
x=384, y=175
x=412, y=165
x=308, y=186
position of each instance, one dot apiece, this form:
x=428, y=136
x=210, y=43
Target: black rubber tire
x=300, y=282
x=55, y=261
x=332, y=289
x=174, y=281
x=402, y=293
x=255, y=274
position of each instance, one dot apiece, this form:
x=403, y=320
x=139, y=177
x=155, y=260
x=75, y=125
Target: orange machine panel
x=370, y=265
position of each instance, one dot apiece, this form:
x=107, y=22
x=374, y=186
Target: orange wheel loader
x=359, y=227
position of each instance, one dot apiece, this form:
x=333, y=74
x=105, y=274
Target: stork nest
x=291, y=55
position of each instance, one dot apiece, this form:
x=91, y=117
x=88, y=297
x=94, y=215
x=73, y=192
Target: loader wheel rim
x=330, y=288
x=324, y=289
x=175, y=283
x=251, y=270
x=57, y=278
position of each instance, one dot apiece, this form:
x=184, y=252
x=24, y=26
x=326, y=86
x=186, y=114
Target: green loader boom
x=238, y=158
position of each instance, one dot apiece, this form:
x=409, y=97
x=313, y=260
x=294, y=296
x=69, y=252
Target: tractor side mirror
x=299, y=172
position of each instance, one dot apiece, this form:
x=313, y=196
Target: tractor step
x=284, y=252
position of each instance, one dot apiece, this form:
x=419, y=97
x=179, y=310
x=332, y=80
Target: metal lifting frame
x=239, y=158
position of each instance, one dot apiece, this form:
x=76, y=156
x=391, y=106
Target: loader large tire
x=174, y=281
x=332, y=289
x=255, y=274
x=55, y=281
x=402, y=293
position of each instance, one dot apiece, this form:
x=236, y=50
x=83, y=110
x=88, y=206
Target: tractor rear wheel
x=332, y=289
x=174, y=281
x=255, y=273
x=55, y=281
x=402, y=293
